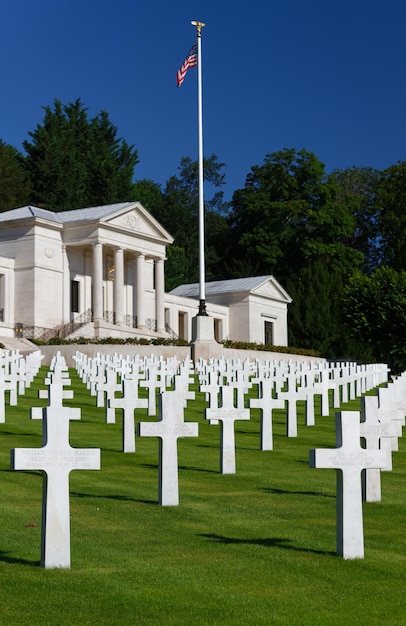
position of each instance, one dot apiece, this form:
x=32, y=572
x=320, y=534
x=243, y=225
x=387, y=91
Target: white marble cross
x=5, y=385
x=155, y=379
x=290, y=396
x=349, y=459
x=390, y=402
x=108, y=388
x=267, y=403
x=377, y=425
x=169, y=428
x=227, y=414
x=57, y=458
x=129, y=402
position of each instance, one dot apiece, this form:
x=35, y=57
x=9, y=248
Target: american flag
x=190, y=61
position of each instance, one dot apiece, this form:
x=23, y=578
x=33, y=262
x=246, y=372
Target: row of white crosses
x=236, y=379
x=280, y=384
x=16, y=375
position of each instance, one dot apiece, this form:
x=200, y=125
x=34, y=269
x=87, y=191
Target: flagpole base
x=202, y=328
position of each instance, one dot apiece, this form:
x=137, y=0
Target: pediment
x=137, y=220
x=272, y=289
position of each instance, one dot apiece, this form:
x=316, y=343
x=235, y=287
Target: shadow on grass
x=298, y=493
x=38, y=473
x=181, y=467
x=270, y=542
x=111, y=497
x=33, y=435
x=5, y=558
x=198, y=469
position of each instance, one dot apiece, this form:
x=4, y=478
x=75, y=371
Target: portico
x=102, y=263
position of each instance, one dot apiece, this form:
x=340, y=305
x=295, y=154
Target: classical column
x=141, y=291
x=160, y=295
x=66, y=287
x=97, y=281
x=118, y=287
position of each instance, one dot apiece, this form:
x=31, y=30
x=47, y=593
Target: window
x=74, y=296
x=268, y=331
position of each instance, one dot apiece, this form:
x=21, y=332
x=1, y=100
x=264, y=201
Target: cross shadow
x=5, y=558
x=112, y=497
x=298, y=493
x=38, y=473
x=197, y=469
x=7, y=432
x=75, y=494
x=269, y=542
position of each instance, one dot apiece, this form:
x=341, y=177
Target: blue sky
x=328, y=77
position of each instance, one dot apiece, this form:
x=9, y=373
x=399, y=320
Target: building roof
x=233, y=285
x=62, y=217
x=94, y=212
x=220, y=286
x=29, y=211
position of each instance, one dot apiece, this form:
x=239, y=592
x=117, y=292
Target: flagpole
x=202, y=280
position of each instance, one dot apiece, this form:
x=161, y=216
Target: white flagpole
x=202, y=280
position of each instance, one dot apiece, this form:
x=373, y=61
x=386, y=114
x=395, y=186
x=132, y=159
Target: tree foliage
x=178, y=212
x=14, y=183
x=391, y=212
x=314, y=319
x=375, y=315
x=288, y=215
x=74, y=161
x=355, y=190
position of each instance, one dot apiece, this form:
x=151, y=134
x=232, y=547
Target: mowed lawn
x=253, y=548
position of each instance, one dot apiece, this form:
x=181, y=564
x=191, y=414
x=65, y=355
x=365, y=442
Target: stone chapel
x=99, y=272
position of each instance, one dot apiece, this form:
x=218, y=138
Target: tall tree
x=74, y=161
x=391, y=208
x=288, y=215
x=14, y=183
x=374, y=310
x=150, y=195
x=315, y=318
x=178, y=213
x=356, y=189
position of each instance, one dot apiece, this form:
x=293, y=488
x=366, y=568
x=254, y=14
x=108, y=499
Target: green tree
x=374, y=311
x=149, y=194
x=74, y=161
x=179, y=214
x=356, y=189
x=176, y=267
x=391, y=209
x=15, y=187
x=289, y=215
x=315, y=319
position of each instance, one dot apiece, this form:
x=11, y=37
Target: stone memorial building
x=99, y=272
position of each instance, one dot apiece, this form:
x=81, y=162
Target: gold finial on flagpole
x=199, y=26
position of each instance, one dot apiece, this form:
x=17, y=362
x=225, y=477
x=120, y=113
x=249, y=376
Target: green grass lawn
x=253, y=548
